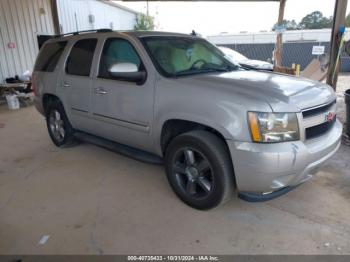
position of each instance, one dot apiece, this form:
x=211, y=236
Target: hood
x=257, y=64
x=283, y=93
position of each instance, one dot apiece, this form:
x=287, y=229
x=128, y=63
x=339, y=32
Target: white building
x=79, y=15
x=318, y=35
x=22, y=20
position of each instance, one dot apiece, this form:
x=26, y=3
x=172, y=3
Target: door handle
x=100, y=91
x=65, y=84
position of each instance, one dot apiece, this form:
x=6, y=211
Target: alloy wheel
x=193, y=173
x=57, y=125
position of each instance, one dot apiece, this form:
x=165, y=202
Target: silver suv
x=174, y=98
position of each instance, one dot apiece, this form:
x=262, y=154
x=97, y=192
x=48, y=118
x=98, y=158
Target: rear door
x=76, y=82
x=124, y=110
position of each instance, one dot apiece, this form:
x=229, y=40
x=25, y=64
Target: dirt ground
x=92, y=201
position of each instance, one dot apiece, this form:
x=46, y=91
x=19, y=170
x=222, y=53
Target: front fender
x=210, y=122
x=222, y=108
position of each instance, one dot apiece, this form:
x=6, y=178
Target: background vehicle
x=237, y=57
x=217, y=126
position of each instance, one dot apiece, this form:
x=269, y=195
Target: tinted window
x=179, y=56
x=80, y=58
x=117, y=51
x=49, y=56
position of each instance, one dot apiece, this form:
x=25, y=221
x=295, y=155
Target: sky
x=209, y=18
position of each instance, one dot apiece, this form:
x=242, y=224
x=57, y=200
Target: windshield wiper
x=247, y=67
x=230, y=68
x=194, y=72
x=204, y=70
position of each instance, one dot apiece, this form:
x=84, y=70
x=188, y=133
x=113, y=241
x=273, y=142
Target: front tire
x=199, y=169
x=59, y=128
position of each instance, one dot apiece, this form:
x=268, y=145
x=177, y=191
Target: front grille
x=315, y=120
x=318, y=110
x=315, y=131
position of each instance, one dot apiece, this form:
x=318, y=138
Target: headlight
x=273, y=127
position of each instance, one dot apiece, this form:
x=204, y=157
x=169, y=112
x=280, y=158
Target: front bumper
x=265, y=168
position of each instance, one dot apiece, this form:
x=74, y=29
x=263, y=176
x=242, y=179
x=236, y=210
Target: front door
x=124, y=109
x=76, y=82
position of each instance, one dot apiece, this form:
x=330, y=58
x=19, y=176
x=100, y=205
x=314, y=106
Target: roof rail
x=102, y=30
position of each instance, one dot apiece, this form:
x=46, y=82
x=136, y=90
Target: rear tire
x=58, y=125
x=199, y=169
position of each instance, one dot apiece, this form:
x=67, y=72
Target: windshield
x=232, y=54
x=178, y=56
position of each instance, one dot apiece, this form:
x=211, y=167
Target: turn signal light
x=254, y=127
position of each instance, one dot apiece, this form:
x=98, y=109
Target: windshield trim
x=166, y=74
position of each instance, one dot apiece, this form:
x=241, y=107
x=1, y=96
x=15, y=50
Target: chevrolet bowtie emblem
x=329, y=117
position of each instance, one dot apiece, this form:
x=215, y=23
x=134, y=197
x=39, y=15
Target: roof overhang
x=200, y=0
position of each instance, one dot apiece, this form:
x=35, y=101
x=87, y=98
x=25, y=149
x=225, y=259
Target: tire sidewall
x=56, y=105
x=219, y=172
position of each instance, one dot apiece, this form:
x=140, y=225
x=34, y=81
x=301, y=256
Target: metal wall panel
x=74, y=16
x=298, y=52
x=316, y=35
x=20, y=22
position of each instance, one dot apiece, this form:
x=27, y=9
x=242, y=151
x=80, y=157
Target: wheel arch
x=172, y=127
x=47, y=99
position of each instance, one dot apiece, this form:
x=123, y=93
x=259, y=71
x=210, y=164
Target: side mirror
x=127, y=72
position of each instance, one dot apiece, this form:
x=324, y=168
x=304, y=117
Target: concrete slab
x=92, y=201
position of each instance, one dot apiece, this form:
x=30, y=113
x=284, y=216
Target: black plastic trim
x=319, y=130
x=125, y=150
x=79, y=110
x=121, y=120
x=255, y=197
x=318, y=110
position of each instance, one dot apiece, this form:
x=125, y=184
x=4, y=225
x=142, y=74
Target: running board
x=120, y=148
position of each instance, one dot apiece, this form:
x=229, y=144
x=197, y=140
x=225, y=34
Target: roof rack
x=102, y=30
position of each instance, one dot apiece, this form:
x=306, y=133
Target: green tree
x=144, y=22
x=288, y=25
x=315, y=20
x=347, y=20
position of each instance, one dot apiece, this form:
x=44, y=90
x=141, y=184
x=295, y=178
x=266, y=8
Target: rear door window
x=49, y=56
x=80, y=58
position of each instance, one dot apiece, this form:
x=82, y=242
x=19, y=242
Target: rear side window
x=80, y=58
x=49, y=56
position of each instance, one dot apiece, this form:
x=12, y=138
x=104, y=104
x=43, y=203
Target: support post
x=338, y=20
x=56, y=22
x=278, y=46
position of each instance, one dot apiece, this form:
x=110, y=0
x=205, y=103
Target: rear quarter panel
x=48, y=82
